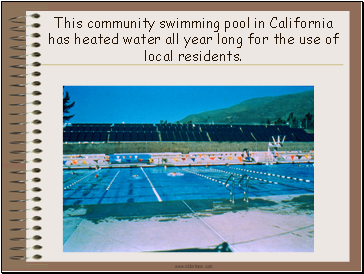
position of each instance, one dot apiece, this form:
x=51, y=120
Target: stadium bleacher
x=181, y=133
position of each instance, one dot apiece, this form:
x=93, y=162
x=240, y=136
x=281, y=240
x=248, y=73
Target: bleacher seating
x=73, y=137
x=177, y=135
x=171, y=136
x=288, y=133
x=204, y=137
x=197, y=136
x=164, y=136
x=181, y=133
x=184, y=136
x=66, y=136
x=148, y=136
x=81, y=136
x=191, y=136
x=155, y=136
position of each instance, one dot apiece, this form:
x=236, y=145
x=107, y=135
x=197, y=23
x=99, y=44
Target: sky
x=150, y=104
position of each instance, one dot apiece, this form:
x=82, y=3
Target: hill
x=258, y=110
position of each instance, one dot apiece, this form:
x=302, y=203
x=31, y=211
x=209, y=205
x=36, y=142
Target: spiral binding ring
x=36, y=208
x=34, y=189
x=34, y=180
x=35, y=122
x=35, y=83
x=34, y=15
x=34, y=64
x=35, y=228
x=23, y=57
x=35, y=74
x=22, y=161
x=35, y=247
x=35, y=112
x=35, y=238
x=35, y=218
x=35, y=141
x=22, y=28
x=34, y=199
x=23, y=37
x=35, y=131
x=36, y=103
x=34, y=170
x=37, y=150
x=35, y=257
x=34, y=93
x=23, y=47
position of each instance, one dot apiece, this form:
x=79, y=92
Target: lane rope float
x=269, y=174
x=80, y=179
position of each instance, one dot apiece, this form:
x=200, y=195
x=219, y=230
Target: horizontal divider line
x=192, y=64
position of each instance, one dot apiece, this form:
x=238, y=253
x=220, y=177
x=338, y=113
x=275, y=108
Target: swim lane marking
x=258, y=179
x=198, y=174
x=103, y=195
x=269, y=174
x=195, y=214
x=112, y=181
x=80, y=179
x=155, y=192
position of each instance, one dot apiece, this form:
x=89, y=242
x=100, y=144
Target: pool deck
x=191, y=159
x=186, y=165
x=264, y=224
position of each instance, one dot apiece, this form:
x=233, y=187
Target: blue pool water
x=133, y=185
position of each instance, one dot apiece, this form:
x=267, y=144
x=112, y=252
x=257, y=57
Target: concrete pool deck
x=189, y=159
x=189, y=165
x=265, y=224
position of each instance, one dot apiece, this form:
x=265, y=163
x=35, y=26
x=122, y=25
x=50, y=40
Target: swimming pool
x=158, y=184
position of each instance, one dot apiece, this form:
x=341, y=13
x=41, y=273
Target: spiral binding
x=22, y=28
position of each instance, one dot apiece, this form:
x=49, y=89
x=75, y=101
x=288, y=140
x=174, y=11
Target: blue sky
x=150, y=104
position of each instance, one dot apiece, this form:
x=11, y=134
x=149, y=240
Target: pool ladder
x=232, y=190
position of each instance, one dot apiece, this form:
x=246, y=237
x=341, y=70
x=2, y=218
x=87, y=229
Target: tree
x=66, y=107
x=292, y=120
x=279, y=121
x=268, y=122
x=308, y=121
x=308, y=116
x=312, y=124
x=290, y=117
x=294, y=123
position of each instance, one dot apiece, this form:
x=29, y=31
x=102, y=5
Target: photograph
x=188, y=168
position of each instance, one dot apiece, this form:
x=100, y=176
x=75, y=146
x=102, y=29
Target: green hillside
x=259, y=110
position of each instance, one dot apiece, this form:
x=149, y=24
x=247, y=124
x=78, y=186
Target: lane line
x=112, y=180
x=269, y=174
x=259, y=179
x=155, y=192
x=103, y=195
x=195, y=214
x=81, y=179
